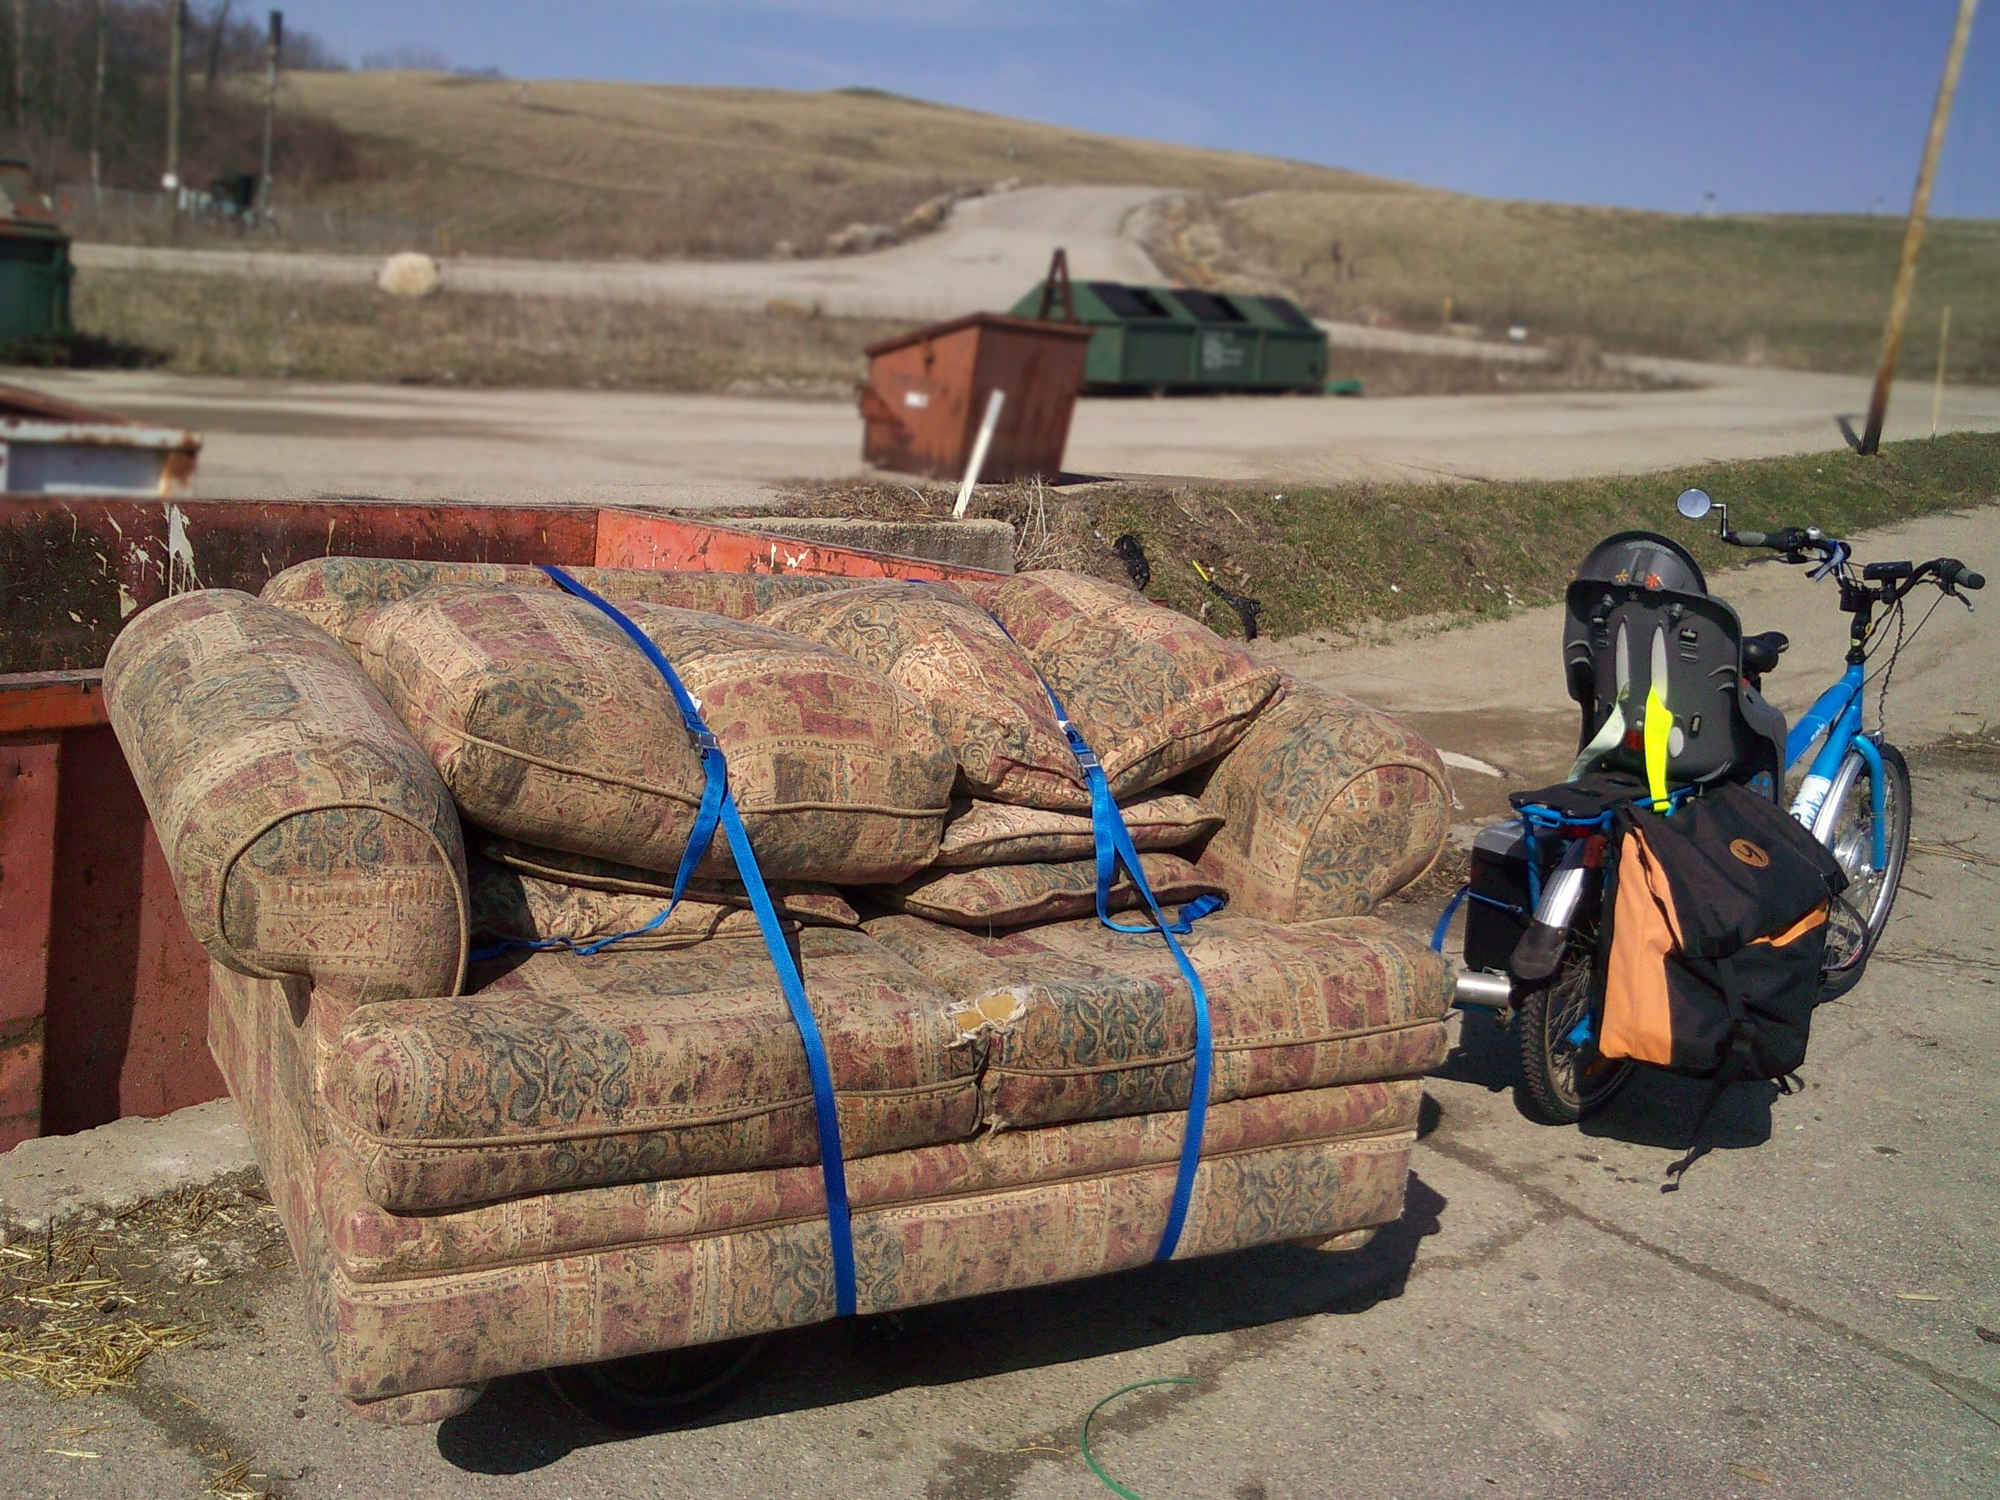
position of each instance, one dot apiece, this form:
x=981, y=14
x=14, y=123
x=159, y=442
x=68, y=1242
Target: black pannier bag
x=1718, y=925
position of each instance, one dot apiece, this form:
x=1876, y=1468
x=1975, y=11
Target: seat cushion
x=997, y=833
x=1020, y=895
x=1074, y=1021
x=564, y=1071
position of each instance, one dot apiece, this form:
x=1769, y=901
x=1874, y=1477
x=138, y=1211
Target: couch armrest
x=1329, y=806
x=308, y=834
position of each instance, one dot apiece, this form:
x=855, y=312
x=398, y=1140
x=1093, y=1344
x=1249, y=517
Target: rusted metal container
x=54, y=447
x=928, y=390
x=103, y=989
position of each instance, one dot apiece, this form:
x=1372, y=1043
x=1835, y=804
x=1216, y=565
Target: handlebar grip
x=1954, y=574
x=1746, y=538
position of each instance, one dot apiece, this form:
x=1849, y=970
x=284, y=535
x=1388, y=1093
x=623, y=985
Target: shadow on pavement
x=521, y=1425
x=1654, y=1109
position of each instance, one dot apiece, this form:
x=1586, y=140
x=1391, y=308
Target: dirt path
x=273, y=438
x=1492, y=695
x=992, y=250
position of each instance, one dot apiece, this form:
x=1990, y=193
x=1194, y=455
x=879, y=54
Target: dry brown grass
x=1800, y=291
x=202, y=325
x=1339, y=561
x=227, y=326
x=84, y=1304
x=616, y=169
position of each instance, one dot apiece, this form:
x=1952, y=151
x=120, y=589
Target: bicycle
x=1854, y=797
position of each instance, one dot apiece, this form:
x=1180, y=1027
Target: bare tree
x=97, y=102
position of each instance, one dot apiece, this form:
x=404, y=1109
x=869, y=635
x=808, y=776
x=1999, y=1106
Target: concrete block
x=985, y=543
x=55, y=1177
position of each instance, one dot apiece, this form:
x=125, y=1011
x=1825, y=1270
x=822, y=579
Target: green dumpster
x=35, y=269
x=1156, y=338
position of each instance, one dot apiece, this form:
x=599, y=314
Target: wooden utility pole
x=277, y=42
x=176, y=70
x=1913, y=236
x=97, y=105
x=1937, y=392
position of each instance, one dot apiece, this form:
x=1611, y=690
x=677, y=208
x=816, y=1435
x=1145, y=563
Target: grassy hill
x=1802, y=291
x=611, y=169
x=617, y=169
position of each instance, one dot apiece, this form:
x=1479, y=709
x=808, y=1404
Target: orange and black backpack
x=1718, y=924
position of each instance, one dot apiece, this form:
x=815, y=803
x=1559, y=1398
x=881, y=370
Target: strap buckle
x=700, y=737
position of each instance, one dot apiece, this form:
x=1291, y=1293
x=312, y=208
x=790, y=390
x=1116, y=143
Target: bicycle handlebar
x=1947, y=572
x=1951, y=573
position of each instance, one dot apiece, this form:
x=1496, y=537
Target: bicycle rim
x=1847, y=828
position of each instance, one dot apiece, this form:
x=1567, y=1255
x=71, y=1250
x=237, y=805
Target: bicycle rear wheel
x=1846, y=826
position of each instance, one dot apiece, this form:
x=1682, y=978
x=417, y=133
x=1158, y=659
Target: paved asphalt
x=1801, y=1320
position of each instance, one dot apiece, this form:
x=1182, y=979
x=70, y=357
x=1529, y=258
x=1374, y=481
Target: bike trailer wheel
x=1564, y=1080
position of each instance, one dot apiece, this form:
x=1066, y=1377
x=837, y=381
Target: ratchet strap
x=1114, y=845
x=718, y=807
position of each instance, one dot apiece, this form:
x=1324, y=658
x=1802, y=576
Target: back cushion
x=342, y=594
x=1153, y=691
x=552, y=728
x=988, y=702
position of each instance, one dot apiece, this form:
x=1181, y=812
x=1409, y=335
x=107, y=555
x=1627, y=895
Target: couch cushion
x=307, y=833
x=518, y=892
x=1328, y=806
x=342, y=594
x=997, y=833
x=371, y=1244
x=549, y=726
x=565, y=1071
x=989, y=704
x=510, y=908
x=1020, y=895
x=1151, y=690
x=1075, y=1021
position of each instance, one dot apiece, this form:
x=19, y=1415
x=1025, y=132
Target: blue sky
x=1773, y=105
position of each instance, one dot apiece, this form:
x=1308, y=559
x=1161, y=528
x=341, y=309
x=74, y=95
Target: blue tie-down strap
x=718, y=807
x=1114, y=845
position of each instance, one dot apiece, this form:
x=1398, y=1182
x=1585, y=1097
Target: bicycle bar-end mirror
x=1695, y=504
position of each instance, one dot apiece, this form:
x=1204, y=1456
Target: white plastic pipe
x=988, y=425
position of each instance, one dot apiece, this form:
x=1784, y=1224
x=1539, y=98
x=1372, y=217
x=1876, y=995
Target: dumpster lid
x=1041, y=327
x=18, y=403
x=24, y=208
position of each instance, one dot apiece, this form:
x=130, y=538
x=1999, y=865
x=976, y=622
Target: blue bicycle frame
x=1837, y=715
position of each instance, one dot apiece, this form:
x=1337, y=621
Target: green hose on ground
x=1088, y=1457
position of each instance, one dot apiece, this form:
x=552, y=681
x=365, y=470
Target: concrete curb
x=987, y=543
x=57, y=1177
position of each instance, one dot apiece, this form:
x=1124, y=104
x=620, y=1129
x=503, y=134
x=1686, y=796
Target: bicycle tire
x=1845, y=827
x=1562, y=1084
